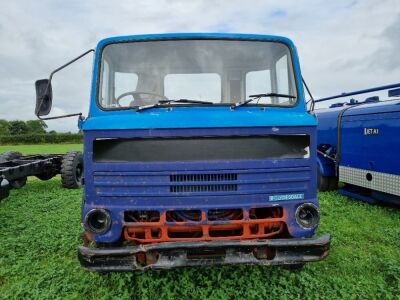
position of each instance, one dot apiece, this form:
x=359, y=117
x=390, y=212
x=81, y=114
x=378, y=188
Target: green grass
x=41, y=148
x=39, y=235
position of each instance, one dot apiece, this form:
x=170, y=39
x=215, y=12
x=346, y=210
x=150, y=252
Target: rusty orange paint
x=203, y=230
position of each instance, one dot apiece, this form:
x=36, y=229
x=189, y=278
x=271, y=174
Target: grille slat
x=198, y=188
x=203, y=188
x=203, y=177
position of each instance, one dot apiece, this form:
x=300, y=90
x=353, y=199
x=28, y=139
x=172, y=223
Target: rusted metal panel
x=180, y=254
x=232, y=224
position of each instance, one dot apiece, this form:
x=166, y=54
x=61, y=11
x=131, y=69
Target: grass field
x=39, y=235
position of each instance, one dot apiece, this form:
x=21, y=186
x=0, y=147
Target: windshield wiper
x=258, y=96
x=169, y=101
x=184, y=101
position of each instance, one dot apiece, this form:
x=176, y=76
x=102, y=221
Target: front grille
x=145, y=185
x=203, y=188
x=199, y=188
x=213, y=224
x=203, y=177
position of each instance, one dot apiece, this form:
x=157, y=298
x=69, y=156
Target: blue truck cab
x=198, y=150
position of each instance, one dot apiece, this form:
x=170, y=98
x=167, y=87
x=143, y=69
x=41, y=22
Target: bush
x=57, y=138
x=18, y=127
x=4, y=127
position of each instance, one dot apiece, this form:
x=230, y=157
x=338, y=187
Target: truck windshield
x=222, y=72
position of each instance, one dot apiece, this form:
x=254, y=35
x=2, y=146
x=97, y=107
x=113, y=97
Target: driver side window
x=123, y=83
x=105, y=85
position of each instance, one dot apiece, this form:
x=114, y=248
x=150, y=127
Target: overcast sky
x=343, y=44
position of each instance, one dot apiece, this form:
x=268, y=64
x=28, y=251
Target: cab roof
x=197, y=35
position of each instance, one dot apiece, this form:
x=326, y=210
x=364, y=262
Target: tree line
x=18, y=127
x=33, y=132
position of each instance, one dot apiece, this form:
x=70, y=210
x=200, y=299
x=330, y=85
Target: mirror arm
x=60, y=117
x=49, y=83
x=309, y=93
x=67, y=64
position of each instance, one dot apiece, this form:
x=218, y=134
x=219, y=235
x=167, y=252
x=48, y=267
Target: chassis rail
x=30, y=165
x=180, y=254
x=45, y=166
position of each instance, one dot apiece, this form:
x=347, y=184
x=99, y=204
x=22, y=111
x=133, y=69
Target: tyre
x=323, y=182
x=4, y=188
x=18, y=183
x=11, y=155
x=333, y=183
x=72, y=170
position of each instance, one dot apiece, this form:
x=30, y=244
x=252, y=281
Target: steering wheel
x=138, y=100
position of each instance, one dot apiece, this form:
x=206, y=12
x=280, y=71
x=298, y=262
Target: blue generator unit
x=358, y=144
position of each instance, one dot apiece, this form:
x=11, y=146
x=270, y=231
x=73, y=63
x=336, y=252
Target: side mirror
x=44, y=97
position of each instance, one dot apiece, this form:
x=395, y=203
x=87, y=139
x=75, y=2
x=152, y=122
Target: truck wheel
x=72, y=170
x=18, y=183
x=2, y=158
x=11, y=155
x=323, y=182
x=4, y=188
x=333, y=183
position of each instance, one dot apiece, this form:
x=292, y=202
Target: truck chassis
x=15, y=168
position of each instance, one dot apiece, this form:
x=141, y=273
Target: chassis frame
x=43, y=166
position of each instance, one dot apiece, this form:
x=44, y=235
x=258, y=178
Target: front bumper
x=180, y=254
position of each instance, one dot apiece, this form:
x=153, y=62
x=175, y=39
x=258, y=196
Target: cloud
x=384, y=58
x=279, y=13
x=343, y=45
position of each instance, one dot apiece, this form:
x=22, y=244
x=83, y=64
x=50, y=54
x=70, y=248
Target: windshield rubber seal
x=191, y=104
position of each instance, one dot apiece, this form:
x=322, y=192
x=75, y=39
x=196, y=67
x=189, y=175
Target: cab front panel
x=236, y=183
